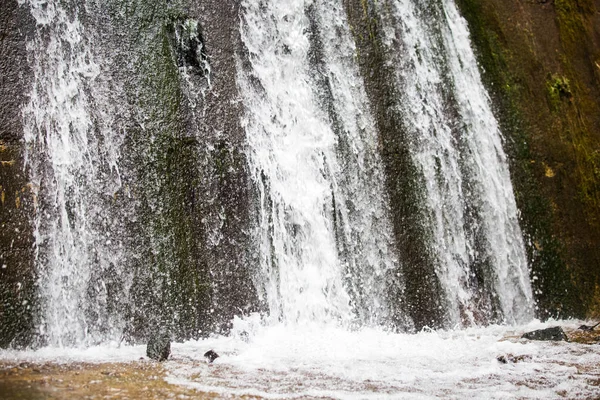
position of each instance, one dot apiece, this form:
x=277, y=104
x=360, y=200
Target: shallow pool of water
x=327, y=362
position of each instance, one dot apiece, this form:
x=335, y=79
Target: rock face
x=555, y=333
x=188, y=170
x=159, y=347
x=540, y=62
x=17, y=275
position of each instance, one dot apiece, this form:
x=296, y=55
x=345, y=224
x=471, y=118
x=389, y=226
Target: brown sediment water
x=133, y=380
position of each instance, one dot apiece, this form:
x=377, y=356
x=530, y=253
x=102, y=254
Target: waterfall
x=293, y=163
x=488, y=165
x=363, y=231
x=326, y=247
x=456, y=144
x=158, y=186
x=72, y=158
x=326, y=243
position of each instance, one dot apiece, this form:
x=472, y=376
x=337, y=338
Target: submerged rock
x=554, y=333
x=509, y=358
x=211, y=356
x=588, y=328
x=159, y=347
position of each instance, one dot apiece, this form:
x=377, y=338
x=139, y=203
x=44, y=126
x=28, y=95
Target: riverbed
x=283, y=362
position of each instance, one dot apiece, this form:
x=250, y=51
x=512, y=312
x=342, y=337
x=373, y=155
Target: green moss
x=571, y=18
x=558, y=90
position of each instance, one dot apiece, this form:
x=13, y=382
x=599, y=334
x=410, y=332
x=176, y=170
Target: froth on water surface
x=327, y=362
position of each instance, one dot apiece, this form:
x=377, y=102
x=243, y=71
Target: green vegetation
x=558, y=90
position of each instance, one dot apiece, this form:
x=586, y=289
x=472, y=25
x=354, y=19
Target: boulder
x=554, y=333
x=159, y=346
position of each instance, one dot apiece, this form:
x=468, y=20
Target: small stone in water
x=159, y=347
x=588, y=328
x=211, y=356
x=509, y=358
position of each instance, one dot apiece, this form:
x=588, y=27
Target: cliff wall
x=17, y=276
x=541, y=63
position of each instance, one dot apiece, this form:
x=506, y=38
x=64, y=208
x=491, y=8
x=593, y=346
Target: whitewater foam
x=316, y=361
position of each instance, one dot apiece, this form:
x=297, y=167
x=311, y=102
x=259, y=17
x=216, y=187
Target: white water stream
x=293, y=163
x=324, y=224
x=491, y=178
x=72, y=157
x=470, y=200
x=365, y=236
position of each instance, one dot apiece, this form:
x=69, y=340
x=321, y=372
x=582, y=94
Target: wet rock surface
x=159, y=347
x=17, y=275
x=555, y=333
x=211, y=356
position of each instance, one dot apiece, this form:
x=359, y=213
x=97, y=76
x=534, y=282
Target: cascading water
x=363, y=230
x=293, y=163
x=312, y=144
x=326, y=242
x=324, y=225
x=72, y=158
x=455, y=142
x=489, y=168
